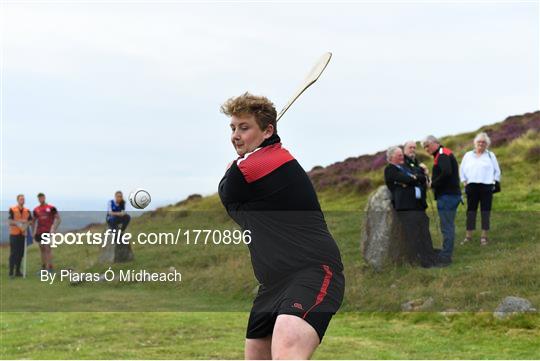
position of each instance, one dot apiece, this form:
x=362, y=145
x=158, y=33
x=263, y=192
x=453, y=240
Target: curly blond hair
x=248, y=104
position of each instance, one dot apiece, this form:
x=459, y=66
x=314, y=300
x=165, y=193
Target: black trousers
x=415, y=225
x=121, y=221
x=16, y=243
x=478, y=193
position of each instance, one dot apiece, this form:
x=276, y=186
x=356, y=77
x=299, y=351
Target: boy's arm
x=234, y=187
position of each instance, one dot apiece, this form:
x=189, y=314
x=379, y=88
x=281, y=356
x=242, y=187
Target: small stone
x=483, y=295
x=449, y=312
x=418, y=305
x=512, y=305
x=427, y=304
x=75, y=283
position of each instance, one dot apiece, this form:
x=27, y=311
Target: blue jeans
x=447, y=206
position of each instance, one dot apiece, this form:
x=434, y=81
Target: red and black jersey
x=44, y=214
x=445, y=173
x=270, y=194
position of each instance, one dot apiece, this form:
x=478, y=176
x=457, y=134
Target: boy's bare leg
x=258, y=348
x=293, y=339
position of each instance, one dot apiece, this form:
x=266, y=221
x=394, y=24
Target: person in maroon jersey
x=46, y=220
x=294, y=257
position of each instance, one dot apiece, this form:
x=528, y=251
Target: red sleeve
x=11, y=215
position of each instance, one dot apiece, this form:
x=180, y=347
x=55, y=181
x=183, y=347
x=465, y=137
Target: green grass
x=205, y=315
x=214, y=335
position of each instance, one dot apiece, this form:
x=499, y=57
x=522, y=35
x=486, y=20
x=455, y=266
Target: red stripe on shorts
x=324, y=287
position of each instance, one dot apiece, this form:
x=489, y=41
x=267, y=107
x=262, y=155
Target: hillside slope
x=220, y=277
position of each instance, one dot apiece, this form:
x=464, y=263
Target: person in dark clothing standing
x=409, y=200
x=19, y=220
x=295, y=258
x=445, y=184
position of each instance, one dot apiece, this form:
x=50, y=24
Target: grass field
x=205, y=315
x=214, y=335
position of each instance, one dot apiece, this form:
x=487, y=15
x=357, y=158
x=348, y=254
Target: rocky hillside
x=355, y=173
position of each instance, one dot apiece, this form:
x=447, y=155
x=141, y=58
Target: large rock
x=512, y=305
x=382, y=238
x=116, y=253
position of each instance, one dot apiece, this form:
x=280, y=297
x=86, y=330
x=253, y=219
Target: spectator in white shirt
x=479, y=171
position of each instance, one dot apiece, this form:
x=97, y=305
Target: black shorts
x=313, y=294
x=37, y=238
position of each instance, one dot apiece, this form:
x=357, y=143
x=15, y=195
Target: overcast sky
x=100, y=97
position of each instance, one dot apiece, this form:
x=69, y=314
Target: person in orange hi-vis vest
x=19, y=220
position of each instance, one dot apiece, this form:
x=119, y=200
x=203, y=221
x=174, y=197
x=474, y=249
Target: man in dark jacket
x=409, y=200
x=409, y=157
x=445, y=184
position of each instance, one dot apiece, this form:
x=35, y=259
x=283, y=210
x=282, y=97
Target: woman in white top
x=479, y=171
